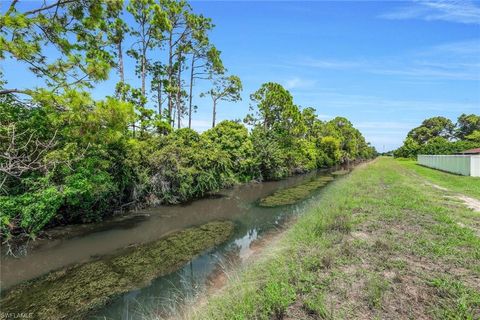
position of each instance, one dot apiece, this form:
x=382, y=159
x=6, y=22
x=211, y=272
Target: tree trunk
x=120, y=62
x=170, y=76
x=159, y=96
x=144, y=72
x=144, y=52
x=192, y=69
x=179, y=90
x=173, y=118
x=214, y=112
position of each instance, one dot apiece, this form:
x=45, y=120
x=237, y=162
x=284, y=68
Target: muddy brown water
x=83, y=243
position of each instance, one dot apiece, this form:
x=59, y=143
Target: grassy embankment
x=73, y=292
x=468, y=186
x=382, y=243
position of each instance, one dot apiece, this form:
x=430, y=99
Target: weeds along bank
x=382, y=243
x=90, y=162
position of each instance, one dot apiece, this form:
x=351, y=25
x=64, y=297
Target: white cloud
x=298, y=83
x=466, y=47
x=201, y=125
x=384, y=125
x=329, y=63
x=443, y=71
x=447, y=61
x=460, y=11
x=455, y=60
x=384, y=143
x=325, y=116
x=375, y=104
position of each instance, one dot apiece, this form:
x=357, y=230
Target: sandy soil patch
x=471, y=203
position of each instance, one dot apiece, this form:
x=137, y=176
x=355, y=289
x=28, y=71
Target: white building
x=466, y=163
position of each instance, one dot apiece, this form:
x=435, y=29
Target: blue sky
x=386, y=66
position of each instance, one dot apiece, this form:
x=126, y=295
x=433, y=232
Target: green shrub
x=29, y=212
x=439, y=135
x=88, y=194
x=179, y=172
x=232, y=138
x=270, y=157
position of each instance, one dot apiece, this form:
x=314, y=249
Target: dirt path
x=471, y=203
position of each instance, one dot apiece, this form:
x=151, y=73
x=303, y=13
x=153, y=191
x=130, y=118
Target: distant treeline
x=67, y=158
x=439, y=135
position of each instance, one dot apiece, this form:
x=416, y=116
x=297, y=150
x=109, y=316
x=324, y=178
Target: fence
x=466, y=165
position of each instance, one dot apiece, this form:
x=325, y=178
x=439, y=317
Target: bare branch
x=53, y=5
x=8, y=91
x=12, y=7
x=20, y=157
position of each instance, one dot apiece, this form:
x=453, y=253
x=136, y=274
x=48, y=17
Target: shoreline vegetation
x=383, y=243
x=175, y=167
x=67, y=157
x=73, y=292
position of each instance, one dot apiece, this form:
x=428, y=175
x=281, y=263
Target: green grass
x=376, y=287
x=469, y=186
x=457, y=301
x=71, y=293
x=294, y=194
x=380, y=245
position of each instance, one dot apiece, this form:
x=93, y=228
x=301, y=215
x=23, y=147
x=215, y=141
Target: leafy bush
x=232, y=138
x=439, y=135
x=29, y=212
x=270, y=157
x=88, y=193
x=437, y=145
x=187, y=166
x=330, y=153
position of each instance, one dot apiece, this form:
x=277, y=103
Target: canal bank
x=239, y=205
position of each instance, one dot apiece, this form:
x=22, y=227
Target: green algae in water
x=294, y=194
x=340, y=172
x=73, y=292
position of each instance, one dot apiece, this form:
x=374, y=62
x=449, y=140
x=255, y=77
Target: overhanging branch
x=9, y=91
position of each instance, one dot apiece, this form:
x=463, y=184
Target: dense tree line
x=66, y=157
x=439, y=135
